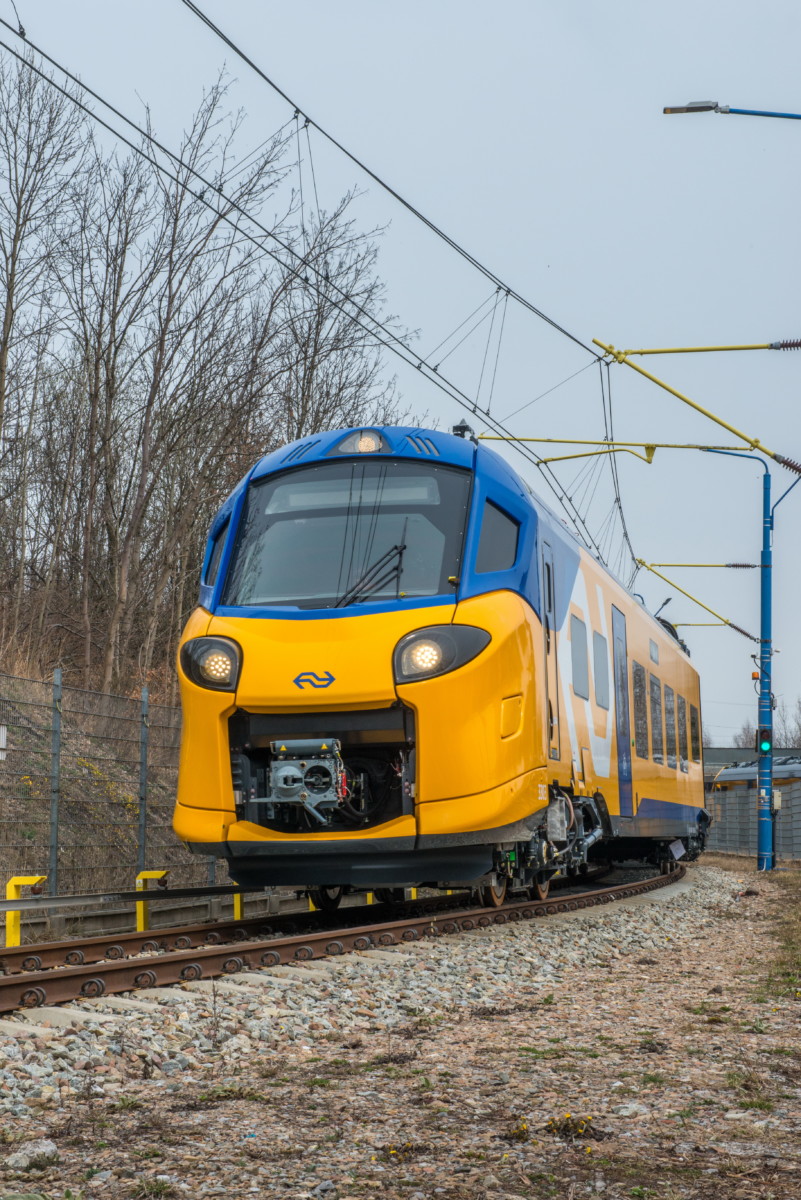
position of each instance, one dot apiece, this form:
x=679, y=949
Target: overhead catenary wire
x=313, y=173
x=606, y=402
x=487, y=346
x=435, y=229
x=498, y=351
x=542, y=395
x=243, y=163
x=487, y=300
x=376, y=330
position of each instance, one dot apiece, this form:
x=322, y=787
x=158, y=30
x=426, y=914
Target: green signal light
x=763, y=741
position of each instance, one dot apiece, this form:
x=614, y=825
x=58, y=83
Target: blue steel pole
x=765, y=745
x=765, y=814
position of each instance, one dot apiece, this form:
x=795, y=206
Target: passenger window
x=600, y=667
x=670, y=727
x=657, y=741
x=683, y=733
x=578, y=650
x=497, y=543
x=640, y=711
x=695, y=733
x=216, y=555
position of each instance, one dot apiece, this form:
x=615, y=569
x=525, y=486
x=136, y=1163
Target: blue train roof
x=399, y=441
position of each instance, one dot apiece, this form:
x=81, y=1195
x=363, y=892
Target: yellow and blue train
x=404, y=670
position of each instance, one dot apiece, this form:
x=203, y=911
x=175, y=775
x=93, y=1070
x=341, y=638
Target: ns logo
x=311, y=679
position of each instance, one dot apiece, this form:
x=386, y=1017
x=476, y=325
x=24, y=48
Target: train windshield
x=350, y=532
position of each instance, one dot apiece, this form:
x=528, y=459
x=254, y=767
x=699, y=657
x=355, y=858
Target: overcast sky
x=533, y=133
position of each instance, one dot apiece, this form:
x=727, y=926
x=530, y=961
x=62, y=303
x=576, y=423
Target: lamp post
x=697, y=106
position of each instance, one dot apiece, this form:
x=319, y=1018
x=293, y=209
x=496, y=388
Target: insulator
x=742, y=566
x=787, y=344
x=790, y=463
x=744, y=632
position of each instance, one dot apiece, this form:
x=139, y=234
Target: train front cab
x=459, y=756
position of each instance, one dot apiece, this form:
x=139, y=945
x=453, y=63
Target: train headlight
x=437, y=650
x=212, y=662
x=421, y=657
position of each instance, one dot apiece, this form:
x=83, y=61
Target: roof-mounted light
x=363, y=441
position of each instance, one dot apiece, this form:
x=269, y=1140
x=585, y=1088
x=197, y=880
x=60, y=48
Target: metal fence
x=87, y=788
x=734, y=813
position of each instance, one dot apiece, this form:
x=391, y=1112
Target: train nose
x=323, y=664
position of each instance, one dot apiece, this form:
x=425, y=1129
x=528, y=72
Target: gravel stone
x=38, y=1153
x=443, y=1067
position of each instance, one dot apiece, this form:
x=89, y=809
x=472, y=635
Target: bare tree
x=161, y=343
x=41, y=152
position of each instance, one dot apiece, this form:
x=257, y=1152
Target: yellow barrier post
x=413, y=895
x=239, y=906
x=13, y=892
x=370, y=897
x=142, y=906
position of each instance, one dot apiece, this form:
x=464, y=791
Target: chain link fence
x=734, y=820
x=87, y=788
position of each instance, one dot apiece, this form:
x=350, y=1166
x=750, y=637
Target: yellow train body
x=535, y=719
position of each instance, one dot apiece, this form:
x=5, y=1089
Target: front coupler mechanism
x=309, y=773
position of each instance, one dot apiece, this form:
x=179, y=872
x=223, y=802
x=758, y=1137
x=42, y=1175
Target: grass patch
x=401, y=1152
x=785, y=975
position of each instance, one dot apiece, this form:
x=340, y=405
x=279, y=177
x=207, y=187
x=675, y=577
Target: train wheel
x=389, y=895
x=494, y=894
x=327, y=899
x=540, y=888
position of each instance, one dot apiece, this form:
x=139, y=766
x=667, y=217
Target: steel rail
x=75, y=951
x=180, y=966
x=39, y=956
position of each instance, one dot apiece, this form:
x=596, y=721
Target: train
x=786, y=769
x=404, y=670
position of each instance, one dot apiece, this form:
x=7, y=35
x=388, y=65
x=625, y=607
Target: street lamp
x=695, y=106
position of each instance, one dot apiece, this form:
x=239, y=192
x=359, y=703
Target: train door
x=622, y=723
x=551, y=669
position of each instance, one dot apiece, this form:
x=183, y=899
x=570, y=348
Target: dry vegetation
x=150, y=352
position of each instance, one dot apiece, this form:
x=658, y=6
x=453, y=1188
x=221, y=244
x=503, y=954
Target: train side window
x=682, y=715
x=657, y=741
x=640, y=711
x=578, y=650
x=695, y=733
x=216, y=555
x=600, y=670
x=670, y=727
x=497, y=543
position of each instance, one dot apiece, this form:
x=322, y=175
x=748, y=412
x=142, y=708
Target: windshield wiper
x=383, y=571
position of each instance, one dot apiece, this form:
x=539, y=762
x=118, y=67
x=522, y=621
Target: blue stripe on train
x=649, y=807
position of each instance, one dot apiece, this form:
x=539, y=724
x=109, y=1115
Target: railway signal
x=763, y=743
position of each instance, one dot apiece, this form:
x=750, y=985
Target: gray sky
x=533, y=133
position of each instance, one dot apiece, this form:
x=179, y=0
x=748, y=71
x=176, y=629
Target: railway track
x=95, y=967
